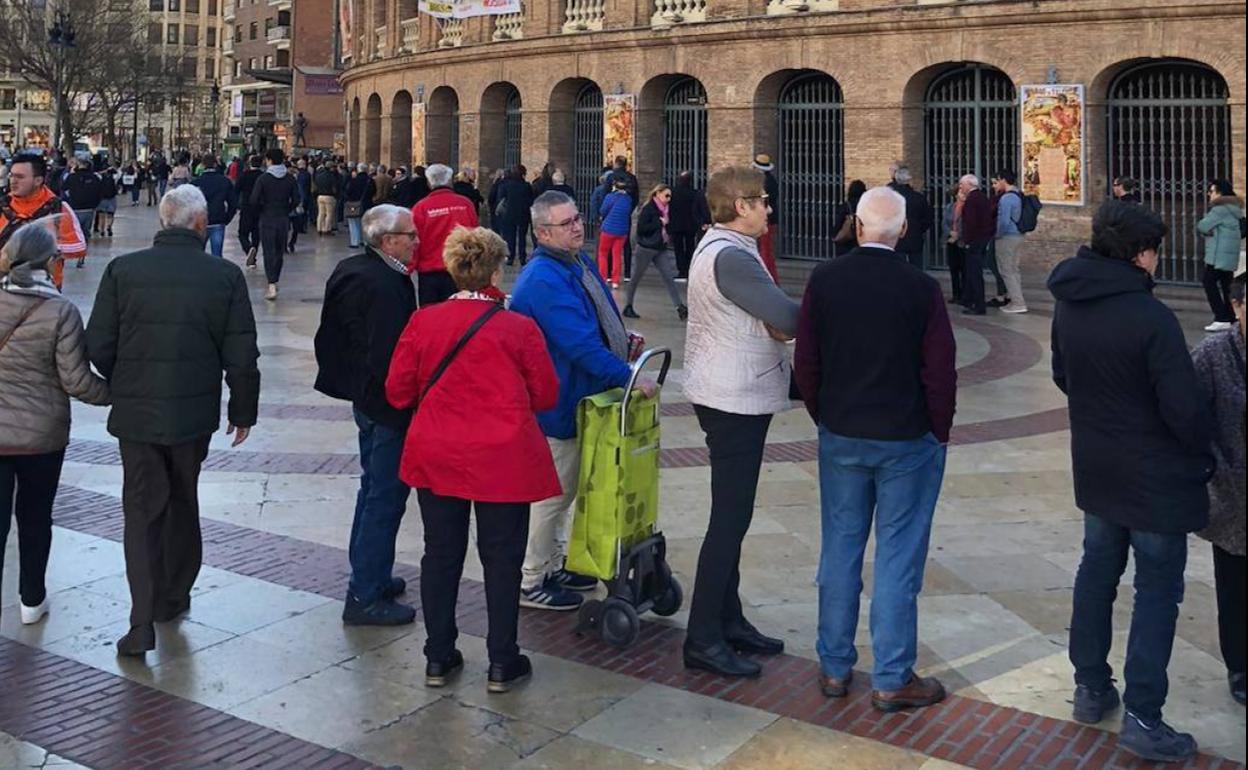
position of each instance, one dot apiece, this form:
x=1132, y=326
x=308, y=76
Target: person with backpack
x=1223, y=229
x=1013, y=220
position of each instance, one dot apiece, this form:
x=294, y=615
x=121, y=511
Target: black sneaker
x=504, y=677
x=1091, y=706
x=994, y=302
x=438, y=673
x=1236, y=683
x=682, y=312
x=1158, y=742
x=397, y=587
x=383, y=612
x=628, y=312
x=573, y=582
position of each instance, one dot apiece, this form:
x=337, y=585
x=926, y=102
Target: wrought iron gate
x=586, y=149
x=811, y=165
x=452, y=123
x=512, y=130
x=1169, y=127
x=684, y=131
x=970, y=122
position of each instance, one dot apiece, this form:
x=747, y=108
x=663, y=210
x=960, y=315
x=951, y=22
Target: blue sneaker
x=573, y=581
x=1091, y=706
x=1158, y=742
x=550, y=596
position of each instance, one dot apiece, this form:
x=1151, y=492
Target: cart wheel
x=668, y=603
x=588, y=616
x=619, y=624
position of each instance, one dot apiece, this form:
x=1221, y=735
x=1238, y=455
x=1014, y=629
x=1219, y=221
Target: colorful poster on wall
x=463, y=9
x=346, y=27
x=418, y=134
x=1052, y=141
x=619, y=126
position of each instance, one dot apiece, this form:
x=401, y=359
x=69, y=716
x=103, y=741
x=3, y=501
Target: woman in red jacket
x=474, y=440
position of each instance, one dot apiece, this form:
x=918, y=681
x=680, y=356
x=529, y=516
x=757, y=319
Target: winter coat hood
x=1228, y=200
x=278, y=170
x=1090, y=276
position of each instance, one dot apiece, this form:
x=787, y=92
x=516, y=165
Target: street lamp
x=215, y=97
x=61, y=37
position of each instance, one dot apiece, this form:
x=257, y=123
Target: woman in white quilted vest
x=43, y=361
x=737, y=375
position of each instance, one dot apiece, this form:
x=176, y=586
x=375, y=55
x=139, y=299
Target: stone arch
x=372, y=130
x=401, y=129
x=565, y=134
x=500, y=129
x=442, y=127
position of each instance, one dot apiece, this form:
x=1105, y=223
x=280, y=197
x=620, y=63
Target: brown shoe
x=833, y=687
x=919, y=693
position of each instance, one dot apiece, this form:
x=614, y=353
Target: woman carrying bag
x=654, y=245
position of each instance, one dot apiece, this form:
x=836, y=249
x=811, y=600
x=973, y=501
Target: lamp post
x=61, y=37
x=215, y=97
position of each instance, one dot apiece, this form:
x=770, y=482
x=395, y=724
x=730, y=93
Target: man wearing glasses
x=562, y=290
x=368, y=300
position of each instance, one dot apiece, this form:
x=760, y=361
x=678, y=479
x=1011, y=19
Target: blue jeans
x=354, y=232
x=379, y=508
x=1159, y=563
x=216, y=239
x=896, y=483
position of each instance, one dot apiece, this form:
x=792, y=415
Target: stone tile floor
x=264, y=646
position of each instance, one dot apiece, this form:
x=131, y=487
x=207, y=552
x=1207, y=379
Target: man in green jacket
x=166, y=322
x=1223, y=233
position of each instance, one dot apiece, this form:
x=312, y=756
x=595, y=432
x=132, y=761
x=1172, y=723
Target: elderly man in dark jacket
x=979, y=228
x=919, y=217
x=1141, y=456
x=368, y=300
x=167, y=322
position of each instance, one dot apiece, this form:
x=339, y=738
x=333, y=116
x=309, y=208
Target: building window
x=192, y=6
x=238, y=33
x=8, y=98
x=189, y=69
x=171, y=34
x=238, y=69
x=190, y=34
x=268, y=25
x=212, y=7
x=210, y=36
x=175, y=5
x=268, y=62
x=210, y=69
x=251, y=63
x=253, y=30
x=153, y=34
x=283, y=58
x=156, y=5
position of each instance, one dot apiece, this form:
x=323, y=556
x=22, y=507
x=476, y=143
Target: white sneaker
x=32, y=615
x=1220, y=326
x=271, y=293
x=1013, y=309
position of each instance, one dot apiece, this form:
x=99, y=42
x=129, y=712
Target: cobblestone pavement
x=263, y=674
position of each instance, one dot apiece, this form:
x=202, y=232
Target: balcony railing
x=379, y=42
x=668, y=13
x=584, y=16
x=411, y=35
x=785, y=7
x=452, y=33
x=278, y=34
x=509, y=26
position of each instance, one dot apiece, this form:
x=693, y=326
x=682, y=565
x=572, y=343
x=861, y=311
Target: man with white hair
x=368, y=300
x=435, y=216
x=167, y=321
x=875, y=367
x=919, y=216
x=977, y=231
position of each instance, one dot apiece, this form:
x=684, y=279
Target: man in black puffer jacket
x=274, y=197
x=222, y=202
x=1141, y=453
x=167, y=322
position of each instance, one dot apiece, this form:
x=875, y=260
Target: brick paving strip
x=970, y=732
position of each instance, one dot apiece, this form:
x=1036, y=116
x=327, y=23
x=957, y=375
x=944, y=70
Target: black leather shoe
x=747, y=638
x=173, y=610
x=719, y=659
x=504, y=677
x=973, y=311
x=383, y=612
x=138, y=641
x=628, y=312
x=438, y=673
x=397, y=587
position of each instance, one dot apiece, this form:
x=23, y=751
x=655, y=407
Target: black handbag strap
x=450, y=356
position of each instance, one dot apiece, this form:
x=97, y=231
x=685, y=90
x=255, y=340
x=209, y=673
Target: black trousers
x=163, y=546
x=28, y=489
x=1218, y=290
x=955, y=257
x=248, y=230
x=736, y=444
x=684, y=244
x=273, y=234
x=973, y=281
x=502, y=535
x=1229, y=576
x=435, y=287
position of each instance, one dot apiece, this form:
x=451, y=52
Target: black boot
x=628, y=312
x=138, y=641
x=504, y=677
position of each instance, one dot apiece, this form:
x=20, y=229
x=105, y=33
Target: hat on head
x=762, y=162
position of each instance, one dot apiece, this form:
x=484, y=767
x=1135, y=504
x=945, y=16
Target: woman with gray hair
x=43, y=361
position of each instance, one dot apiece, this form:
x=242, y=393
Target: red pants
x=766, y=249
x=611, y=256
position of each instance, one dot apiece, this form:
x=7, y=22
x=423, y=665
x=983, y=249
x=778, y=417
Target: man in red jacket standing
x=435, y=217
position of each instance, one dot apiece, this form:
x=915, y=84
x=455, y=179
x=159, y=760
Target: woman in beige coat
x=43, y=361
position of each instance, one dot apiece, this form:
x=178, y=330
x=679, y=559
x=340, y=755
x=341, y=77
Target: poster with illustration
x=619, y=112
x=418, y=134
x=465, y=9
x=346, y=27
x=1052, y=142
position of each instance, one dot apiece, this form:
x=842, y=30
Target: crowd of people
x=469, y=396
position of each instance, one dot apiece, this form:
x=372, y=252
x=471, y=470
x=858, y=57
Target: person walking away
x=181, y=173
x=43, y=362
x=977, y=229
x=132, y=180
x=83, y=191
x=466, y=185
x=359, y=197
x=655, y=245
x=368, y=300
x=299, y=217
x=275, y=195
x=919, y=216
x=563, y=292
x=955, y=255
x=688, y=218
x=737, y=375
x=515, y=198
x=875, y=365
x=149, y=183
x=107, y=209
x=1140, y=451
x=616, y=213
x=328, y=187
x=222, y=203
x=1223, y=231
x=436, y=216
x=559, y=183
x=620, y=170
x=843, y=223
x=28, y=199
x=1219, y=361
x=162, y=171
x=489, y=453
x=234, y=169
x=383, y=183
x=166, y=390
x=248, y=213
x=1009, y=240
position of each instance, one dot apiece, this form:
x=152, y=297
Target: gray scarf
x=609, y=321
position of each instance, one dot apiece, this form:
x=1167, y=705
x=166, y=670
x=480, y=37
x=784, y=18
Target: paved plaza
x=262, y=673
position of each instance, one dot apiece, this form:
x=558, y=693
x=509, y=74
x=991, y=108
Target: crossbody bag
x=450, y=355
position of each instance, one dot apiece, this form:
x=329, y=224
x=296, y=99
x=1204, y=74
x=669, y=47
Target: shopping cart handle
x=638, y=365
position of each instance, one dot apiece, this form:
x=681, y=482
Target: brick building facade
x=715, y=77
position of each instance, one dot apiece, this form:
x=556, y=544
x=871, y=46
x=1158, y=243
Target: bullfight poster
x=1052, y=141
x=463, y=9
x=418, y=133
x=619, y=114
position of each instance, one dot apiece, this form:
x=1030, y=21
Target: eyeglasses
x=762, y=197
x=576, y=220
x=408, y=233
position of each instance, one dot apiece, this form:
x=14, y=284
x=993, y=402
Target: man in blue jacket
x=563, y=292
x=222, y=202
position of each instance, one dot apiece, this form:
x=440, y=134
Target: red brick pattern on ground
x=963, y=730
x=107, y=722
